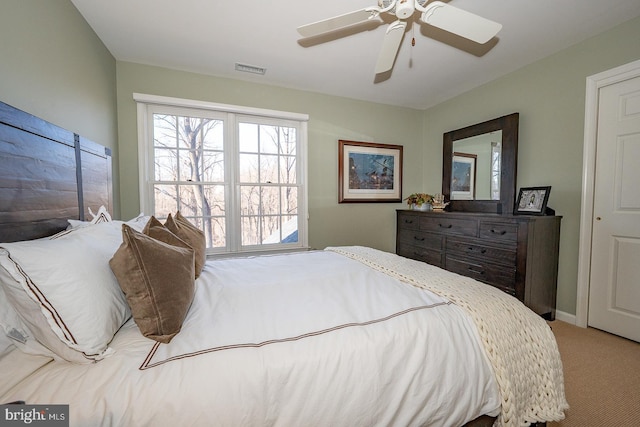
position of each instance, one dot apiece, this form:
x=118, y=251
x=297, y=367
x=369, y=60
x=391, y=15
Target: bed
x=342, y=336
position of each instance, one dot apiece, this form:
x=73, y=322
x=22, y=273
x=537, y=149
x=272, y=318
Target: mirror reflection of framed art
x=463, y=176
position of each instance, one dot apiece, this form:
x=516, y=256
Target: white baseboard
x=566, y=317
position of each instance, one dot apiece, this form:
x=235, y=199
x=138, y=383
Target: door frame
x=594, y=84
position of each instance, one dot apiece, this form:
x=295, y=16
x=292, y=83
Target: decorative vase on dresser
x=515, y=253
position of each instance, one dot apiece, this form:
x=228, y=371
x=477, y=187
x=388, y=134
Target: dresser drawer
x=498, y=276
x=499, y=231
x=444, y=225
x=517, y=254
x=408, y=221
x=429, y=256
x=421, y=239
x=472, y=248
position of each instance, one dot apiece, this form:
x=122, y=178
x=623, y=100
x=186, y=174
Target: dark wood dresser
x=517, y=254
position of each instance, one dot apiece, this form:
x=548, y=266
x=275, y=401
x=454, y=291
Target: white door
x=614, y=291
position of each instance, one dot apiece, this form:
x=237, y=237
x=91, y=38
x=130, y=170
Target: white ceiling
x=210, y=36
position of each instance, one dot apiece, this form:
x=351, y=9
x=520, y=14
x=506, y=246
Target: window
x=237, y=173
x=496, y=161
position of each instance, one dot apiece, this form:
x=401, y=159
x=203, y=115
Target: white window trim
x=227, y=108
x=145, y=157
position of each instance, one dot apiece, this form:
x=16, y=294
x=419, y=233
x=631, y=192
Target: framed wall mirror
x=479, y=165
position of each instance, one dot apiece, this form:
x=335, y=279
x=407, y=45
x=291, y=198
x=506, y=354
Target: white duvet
x=305, y=339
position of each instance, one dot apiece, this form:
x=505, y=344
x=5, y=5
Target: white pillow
x=18, y=334
x=136, y=223
x=97, y=218
x=13, y=332
x=64, y=290
x=8, y=321
x=6, y=345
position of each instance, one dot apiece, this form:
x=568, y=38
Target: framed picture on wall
x=532, y=201
x=369, y=172
x=463, y=176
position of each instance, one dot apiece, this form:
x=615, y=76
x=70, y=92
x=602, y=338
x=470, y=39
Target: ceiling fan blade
x=390, y=46
x=337, y=22
x=460, y=22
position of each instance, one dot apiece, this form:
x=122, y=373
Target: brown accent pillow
x=157, y=279
x=193, y=236
x=157, y=230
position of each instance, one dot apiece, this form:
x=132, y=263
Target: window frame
x=232, y=115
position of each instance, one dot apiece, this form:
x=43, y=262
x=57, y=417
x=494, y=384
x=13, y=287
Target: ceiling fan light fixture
x=245, y=68
x=433, y=12
x=404, y=9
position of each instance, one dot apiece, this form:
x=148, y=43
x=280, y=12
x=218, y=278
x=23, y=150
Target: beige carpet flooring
x=602, y=377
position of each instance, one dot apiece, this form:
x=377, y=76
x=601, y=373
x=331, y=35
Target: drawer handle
x=502, y=232
x=445, y=226
x=476, y=271
x=418, y=238
x=408, y=221
x=482, y=251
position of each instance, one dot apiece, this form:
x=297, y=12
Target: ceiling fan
x=436, y=13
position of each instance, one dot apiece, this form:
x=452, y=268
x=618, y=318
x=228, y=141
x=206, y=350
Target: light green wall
x=331, y=118
x=53, y=66
x=550, y=97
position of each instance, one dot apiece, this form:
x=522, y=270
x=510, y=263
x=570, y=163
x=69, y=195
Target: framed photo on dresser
x=532, y=201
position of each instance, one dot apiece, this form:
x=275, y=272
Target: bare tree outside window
x=189, y=165
x=269, y=196
x=189, y=172
x=236, y=172
x=496, y=160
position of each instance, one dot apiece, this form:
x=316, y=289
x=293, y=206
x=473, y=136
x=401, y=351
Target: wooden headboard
x=47, y=176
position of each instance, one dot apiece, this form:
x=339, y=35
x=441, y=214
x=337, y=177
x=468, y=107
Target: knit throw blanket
x=519, y=343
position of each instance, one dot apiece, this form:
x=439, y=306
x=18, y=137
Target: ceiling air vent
x=250, y=68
